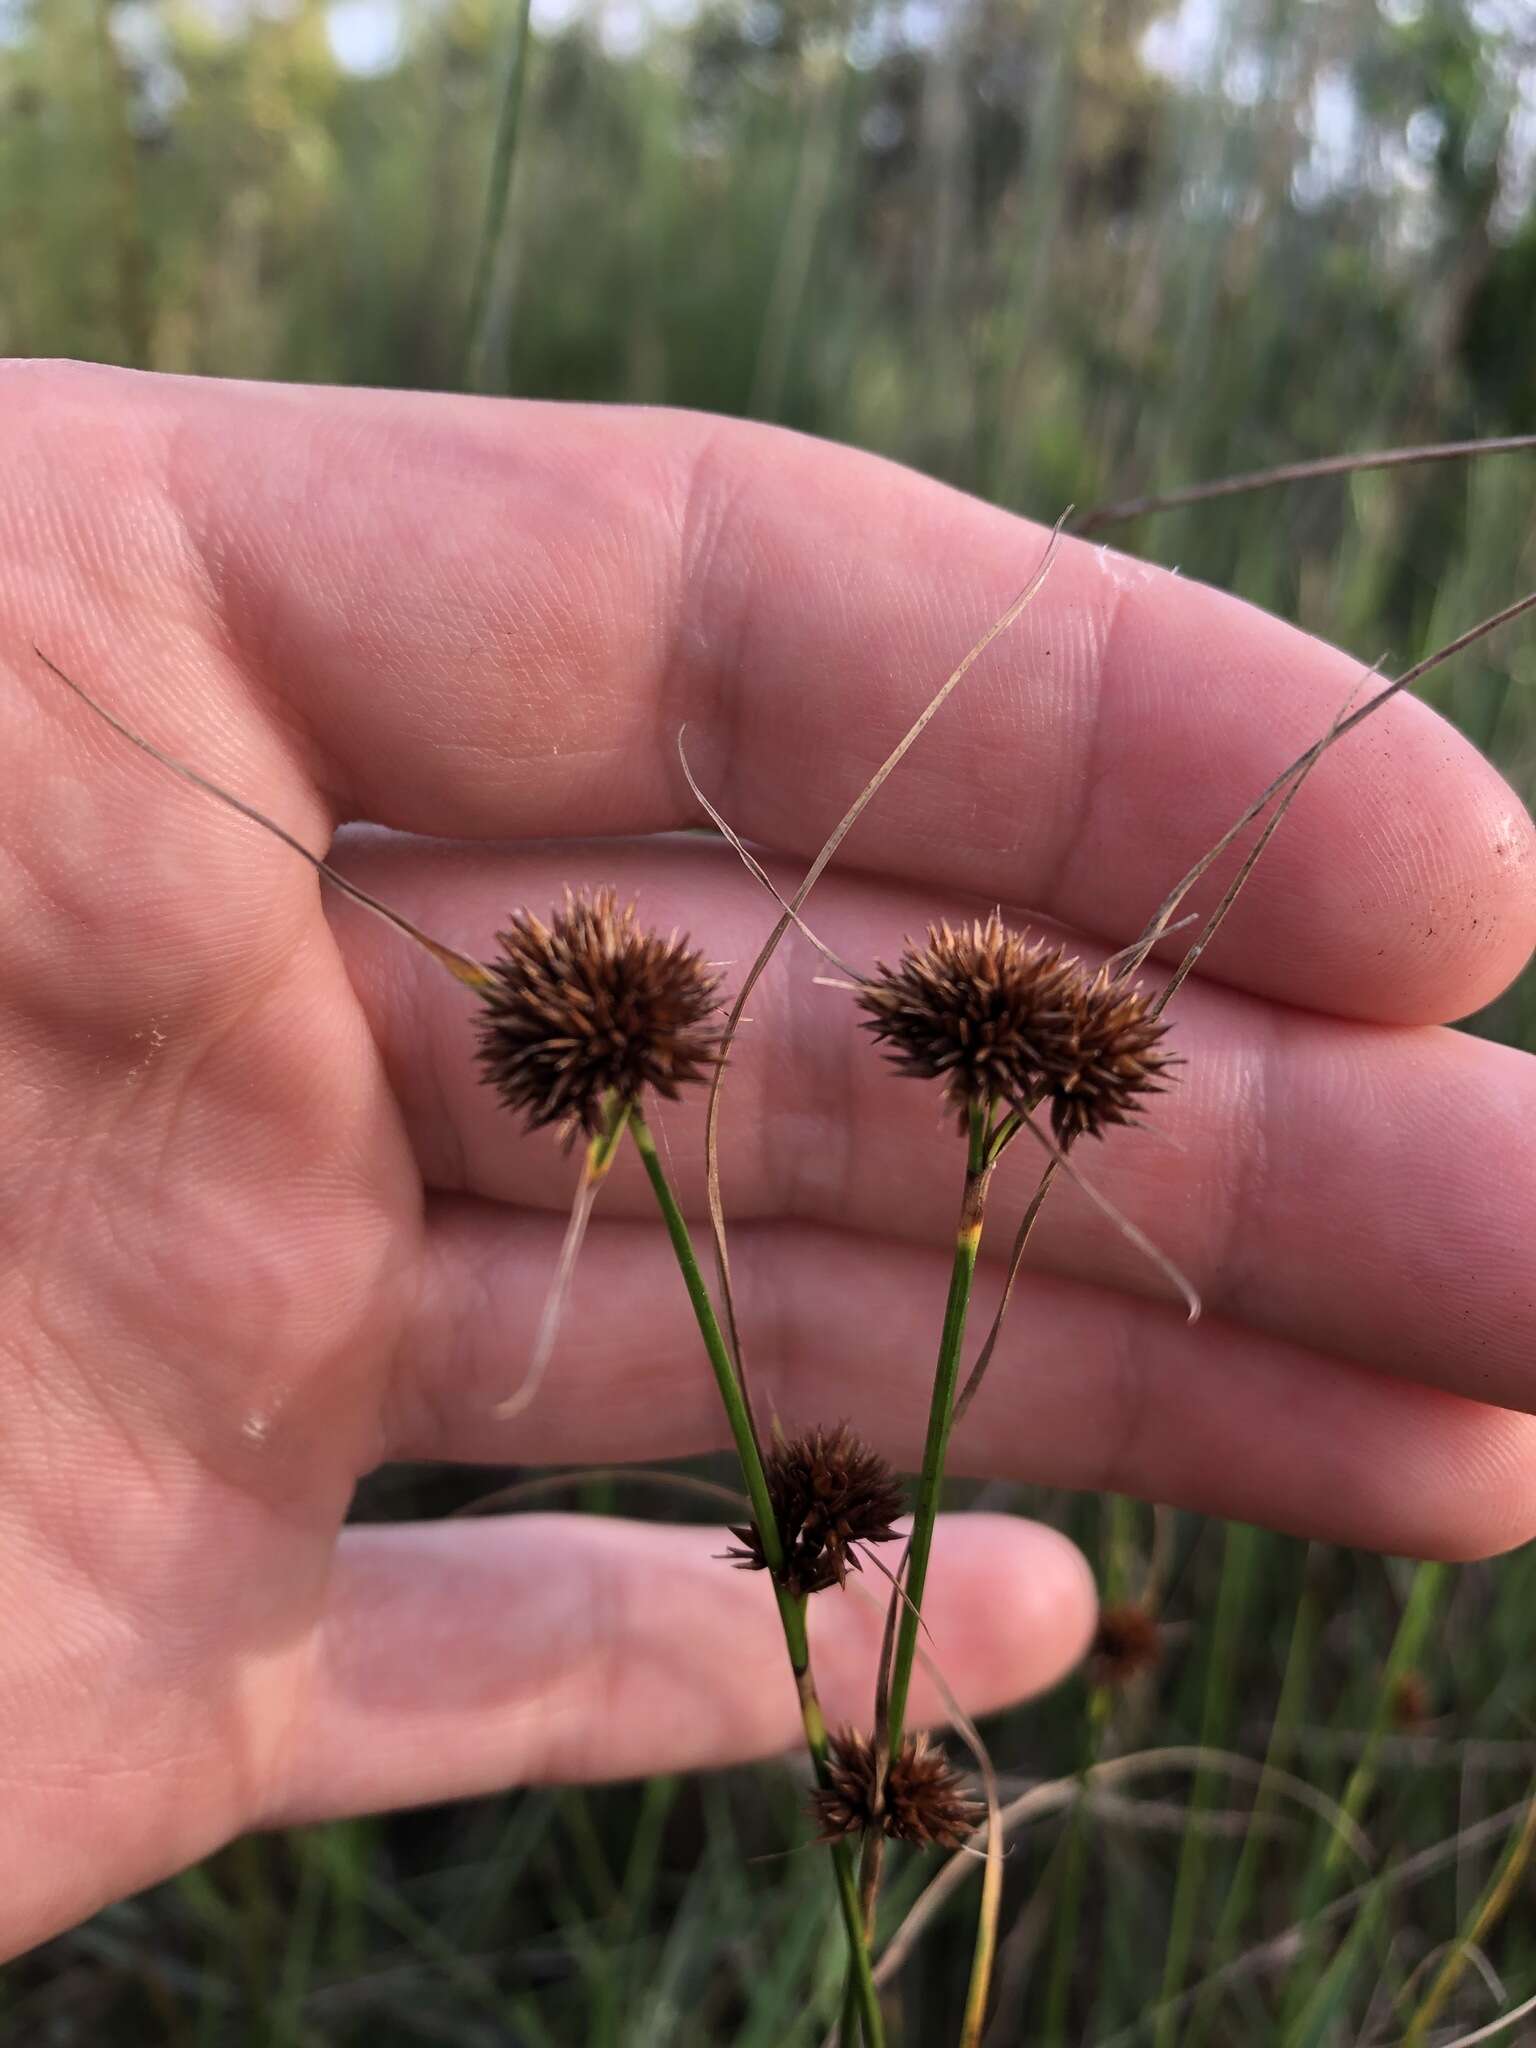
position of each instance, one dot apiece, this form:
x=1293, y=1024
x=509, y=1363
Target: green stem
x=1420, y=1610
x=980, y=1160
x=791, y=1606
x=724, y=1366
x=1241, y=1891
x=1189, y=1902
x=1486, y=1915
x=134, y=262
x=870, y=1860
x=497, y=193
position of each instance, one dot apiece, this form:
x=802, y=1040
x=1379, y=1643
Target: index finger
x=491, y=618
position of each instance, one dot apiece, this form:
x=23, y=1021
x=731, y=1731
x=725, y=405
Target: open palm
x=262, y=1230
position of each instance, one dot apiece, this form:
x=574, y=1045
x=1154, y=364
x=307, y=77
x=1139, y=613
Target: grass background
x=1050, y=252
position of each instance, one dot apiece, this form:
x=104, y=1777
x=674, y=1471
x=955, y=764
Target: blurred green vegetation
x=1051, y=252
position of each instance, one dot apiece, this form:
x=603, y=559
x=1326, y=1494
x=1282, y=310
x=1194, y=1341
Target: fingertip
x=1033, y=1603
x=1011, y=1607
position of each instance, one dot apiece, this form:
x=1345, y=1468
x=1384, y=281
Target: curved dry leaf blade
x=459, y=965
x=599, y=1157
x=1130, y=957
x=1494, y=2028
x=1127, y=509
x=1304, y=762
x=549, y=1485
x=1235, y=887
x=978, y=1373
x=1131, y=1232
x=753, y=865
x=1279, y=1950
x=1057, y=1793
x=797, y=902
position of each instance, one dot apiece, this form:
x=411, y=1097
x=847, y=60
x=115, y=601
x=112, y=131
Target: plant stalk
x=981, y=1157
x=1489, y=1911
x=134, y=262
x=792, y=1607
x=479, y=322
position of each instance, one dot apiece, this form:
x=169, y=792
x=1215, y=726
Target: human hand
x=263, y=1229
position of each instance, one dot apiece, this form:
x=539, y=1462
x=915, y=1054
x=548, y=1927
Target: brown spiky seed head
x=924, y=1799
x=979, y=1008
x=1409, y=1703
x=1106, y=1060
x=592, y=1006
x=999, y=1018
x=830, y=1492
x=1127, y=1641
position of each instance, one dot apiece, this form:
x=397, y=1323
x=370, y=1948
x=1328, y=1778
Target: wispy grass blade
x=1232, y=1599
x=498, y=193
x=1420, y=1608
x=459, y=965
x=1161, y=919
x=599, y=1158
x=1126, y=509
x=1242, y=1891
x=1486, y=1915
x=1055, y=1794
x=132, y=252
x=813, y=875
x=549, y=1485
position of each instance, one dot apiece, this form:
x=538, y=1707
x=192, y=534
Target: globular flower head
x=830, y=1492
x=1001, y=1019
x=592, y=1007
x=979, y=1008
x=1106, y=1061
x=1126, y=1642
x=923, y=1799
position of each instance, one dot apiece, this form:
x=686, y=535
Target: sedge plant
x=585, y=1016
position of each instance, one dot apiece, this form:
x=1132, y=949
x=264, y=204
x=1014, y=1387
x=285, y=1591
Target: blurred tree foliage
x=1051, y=250
x=1033, y=243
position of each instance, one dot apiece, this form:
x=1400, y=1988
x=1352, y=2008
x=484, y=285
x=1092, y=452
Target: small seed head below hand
x=830, y=1492
x=1409, y=1701
x=923, y=1800
x=589, y=1009
x=1000, y=1019
x=1126, y=1642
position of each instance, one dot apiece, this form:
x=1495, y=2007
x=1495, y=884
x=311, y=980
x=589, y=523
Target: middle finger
x=1348, y=1187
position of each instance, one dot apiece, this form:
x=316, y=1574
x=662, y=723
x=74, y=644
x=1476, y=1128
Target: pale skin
x=261, y=1228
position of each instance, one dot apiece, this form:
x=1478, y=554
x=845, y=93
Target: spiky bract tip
x=591, y=1009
